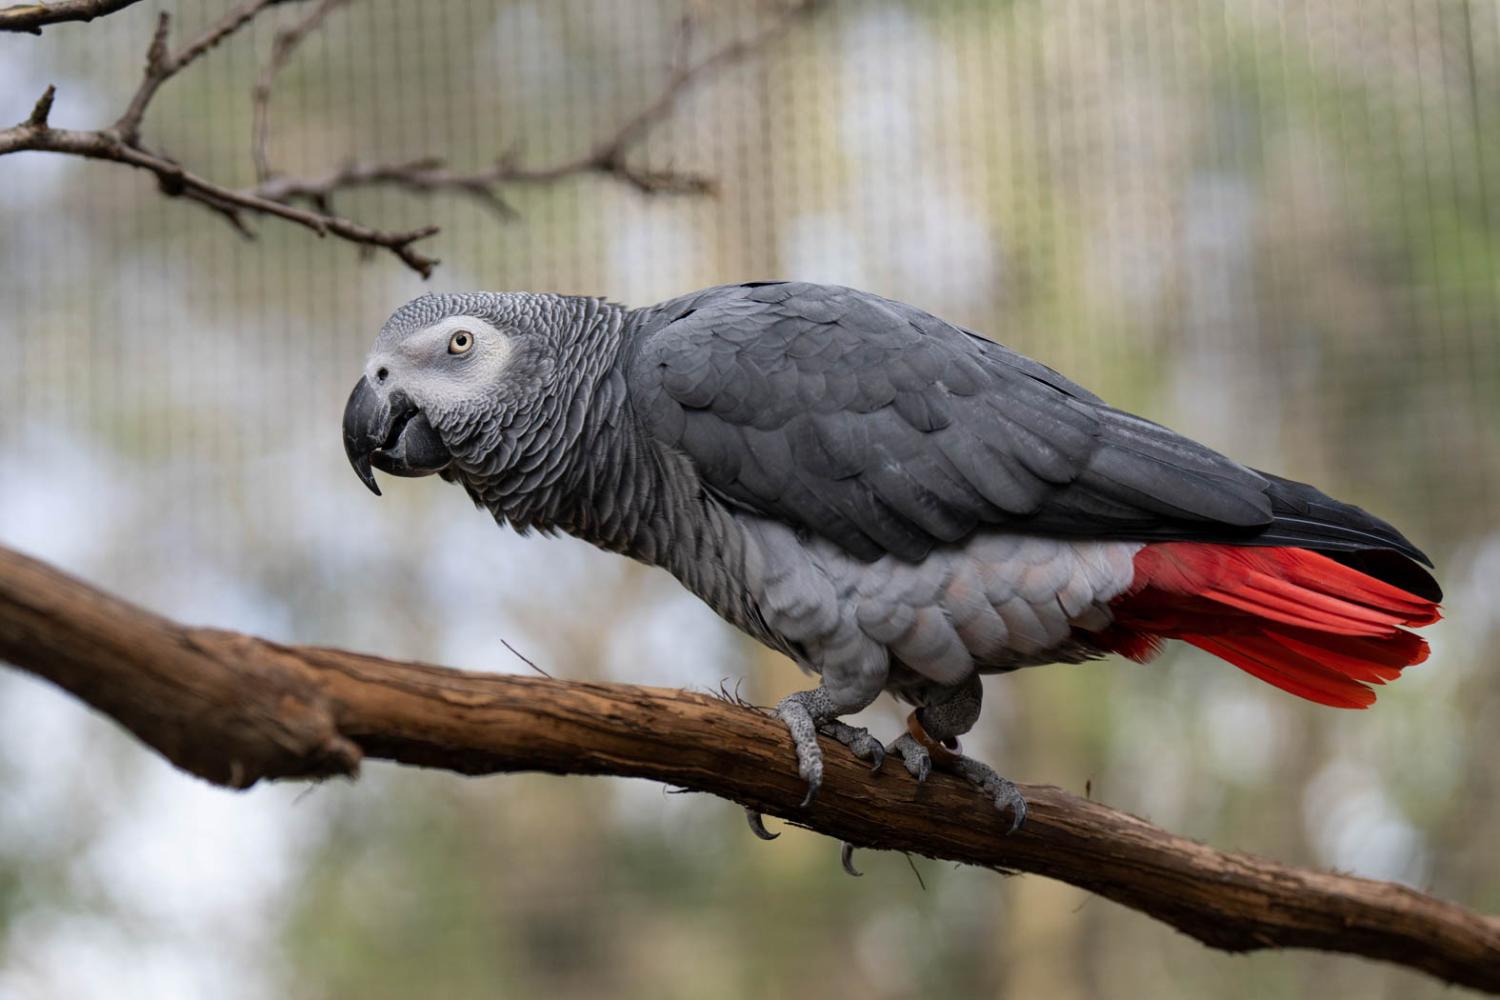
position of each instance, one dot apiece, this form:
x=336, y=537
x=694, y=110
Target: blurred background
x=1272, y=225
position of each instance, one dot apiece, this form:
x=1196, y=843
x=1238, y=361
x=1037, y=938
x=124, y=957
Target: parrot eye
x=460, y=342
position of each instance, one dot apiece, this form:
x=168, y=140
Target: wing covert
x=887, y=430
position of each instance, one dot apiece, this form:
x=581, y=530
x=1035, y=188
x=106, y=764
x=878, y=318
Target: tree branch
x=235, y=709
x=176, y=181
x=162, y=64
x=32, y=17
x=121, y=143
x=282, y=47
x=607, y=158
x=276, y=196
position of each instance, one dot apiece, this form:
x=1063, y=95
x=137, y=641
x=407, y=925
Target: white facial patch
x=490, y=350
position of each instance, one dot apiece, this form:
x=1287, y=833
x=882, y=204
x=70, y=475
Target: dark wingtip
x=1394, y=568
x=1306, y=516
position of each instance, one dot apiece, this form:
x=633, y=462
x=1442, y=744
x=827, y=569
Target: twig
x=282, y=46
x=275, y=196
x=235, y=709
x=525, y=659
x=43, y=108
x=426, y=175
x=121, y=143
x=32, y=17
x=162, y=64
x=921, y=882
x=176, y=181
x=607, y=158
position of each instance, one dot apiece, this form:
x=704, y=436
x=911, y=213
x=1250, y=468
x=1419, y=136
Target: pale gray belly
x=995, y=602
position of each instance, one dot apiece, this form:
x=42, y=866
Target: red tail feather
x=1292, y=617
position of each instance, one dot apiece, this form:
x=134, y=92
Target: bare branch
x=121, y=143
x=425, y=176
x=176, y=181
x=31, y=17
x=163, y=64
x=607, y=157
x=282, y=47
x=39, y=114
x=235, y=709
x=277, y=196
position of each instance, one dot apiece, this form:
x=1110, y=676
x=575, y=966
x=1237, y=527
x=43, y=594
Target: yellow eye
x=460, y=342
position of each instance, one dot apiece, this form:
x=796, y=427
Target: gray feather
x=853, y=481
x=908, y=431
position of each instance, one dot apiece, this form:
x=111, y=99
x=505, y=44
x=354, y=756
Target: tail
x=1309, y=624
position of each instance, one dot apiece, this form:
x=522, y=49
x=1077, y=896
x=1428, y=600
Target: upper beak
x=389, y=432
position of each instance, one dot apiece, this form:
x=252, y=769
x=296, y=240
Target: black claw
x=1008, y=796
x=846, y=858
x=758, y=825
x=924, y=768
x=879, y=754
x=1017, y=811
x=812, y=773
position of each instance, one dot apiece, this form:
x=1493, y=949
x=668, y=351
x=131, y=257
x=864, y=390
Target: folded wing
x=889, y=431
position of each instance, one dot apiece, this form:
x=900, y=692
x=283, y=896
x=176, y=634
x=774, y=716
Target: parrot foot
x=913, y=754
x=808, y=713
x=800, y=713
x=795, y=712
x=919, y=752
x=858, y=740
x=1002, y=790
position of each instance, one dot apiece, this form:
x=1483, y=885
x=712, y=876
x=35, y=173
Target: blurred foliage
x=1272, y=224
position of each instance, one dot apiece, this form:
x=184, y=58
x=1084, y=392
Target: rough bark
x=235, y=709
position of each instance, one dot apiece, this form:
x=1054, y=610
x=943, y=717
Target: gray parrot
x=896, y=503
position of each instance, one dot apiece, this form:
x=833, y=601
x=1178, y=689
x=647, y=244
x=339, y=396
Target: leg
x=932, y=737
x=932, y=730
x=806, y=714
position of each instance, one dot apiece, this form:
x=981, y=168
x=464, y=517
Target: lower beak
x=389, y=432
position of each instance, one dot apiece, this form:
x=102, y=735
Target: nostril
x=380, y=374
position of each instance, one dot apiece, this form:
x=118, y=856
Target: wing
x=887, y=430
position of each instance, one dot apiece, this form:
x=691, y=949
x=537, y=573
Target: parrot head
x=447, y=374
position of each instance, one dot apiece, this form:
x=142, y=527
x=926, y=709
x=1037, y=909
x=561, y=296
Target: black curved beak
x=387, y=431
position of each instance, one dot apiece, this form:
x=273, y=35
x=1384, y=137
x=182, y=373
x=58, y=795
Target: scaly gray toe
x=858, y=740
x=913, y=754
x=1003, y=791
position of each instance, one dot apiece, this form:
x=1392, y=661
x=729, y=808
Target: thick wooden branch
x=236, y=709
